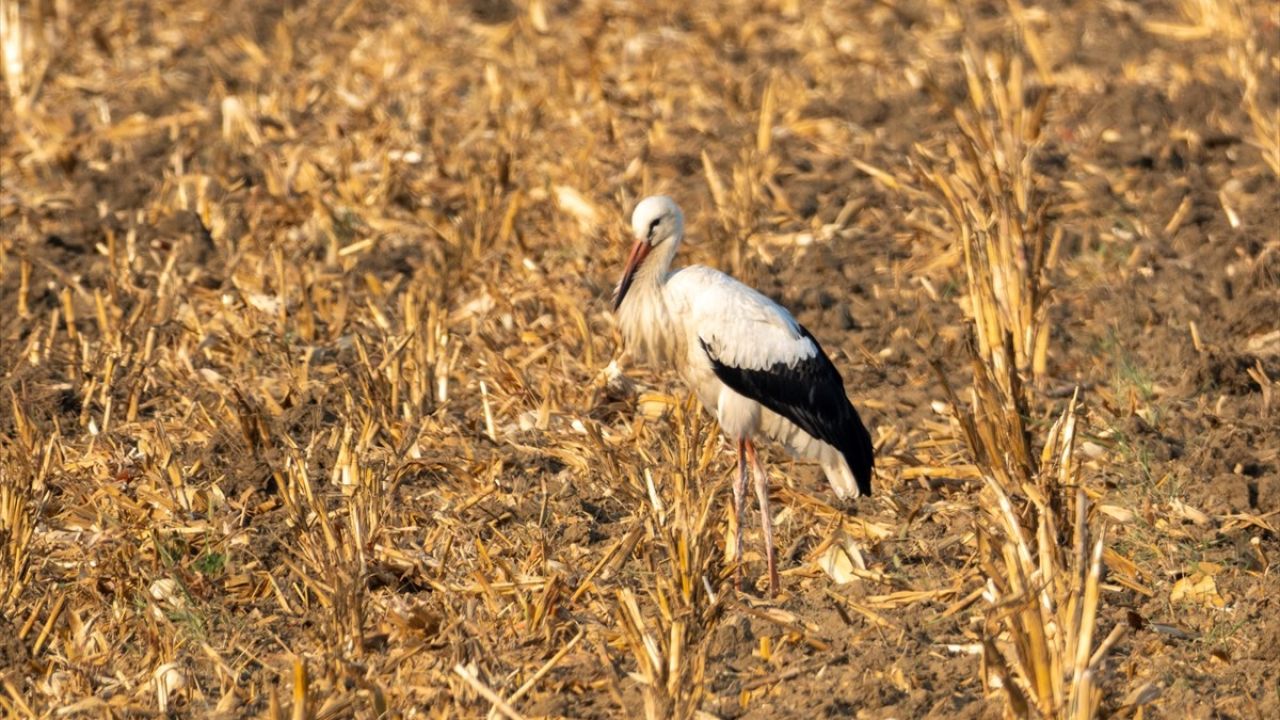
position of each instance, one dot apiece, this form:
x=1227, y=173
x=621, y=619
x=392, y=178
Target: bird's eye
x=653, y=225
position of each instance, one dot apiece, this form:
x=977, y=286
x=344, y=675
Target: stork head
x=656, y=223
x=656, y=219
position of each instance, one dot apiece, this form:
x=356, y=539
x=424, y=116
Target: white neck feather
x=648, y=325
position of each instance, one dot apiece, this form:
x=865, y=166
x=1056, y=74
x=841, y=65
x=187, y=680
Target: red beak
x=639, y=252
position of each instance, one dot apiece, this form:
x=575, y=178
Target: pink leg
x=739, y=504
x=766, y=518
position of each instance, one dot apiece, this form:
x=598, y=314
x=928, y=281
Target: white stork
x=747, y=359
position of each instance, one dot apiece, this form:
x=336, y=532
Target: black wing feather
x=809, y=393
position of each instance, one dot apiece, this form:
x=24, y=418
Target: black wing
x=809, y=393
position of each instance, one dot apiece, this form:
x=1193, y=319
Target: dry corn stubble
x=1038, y=646
x=305, y=408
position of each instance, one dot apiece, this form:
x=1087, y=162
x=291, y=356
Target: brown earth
x=280, y=228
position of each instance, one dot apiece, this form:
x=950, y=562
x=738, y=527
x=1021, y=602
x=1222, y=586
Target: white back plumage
x=739, y=325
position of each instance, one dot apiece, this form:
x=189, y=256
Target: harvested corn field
x=312, y=403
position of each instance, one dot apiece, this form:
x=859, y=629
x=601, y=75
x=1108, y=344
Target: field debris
x=312, y=404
